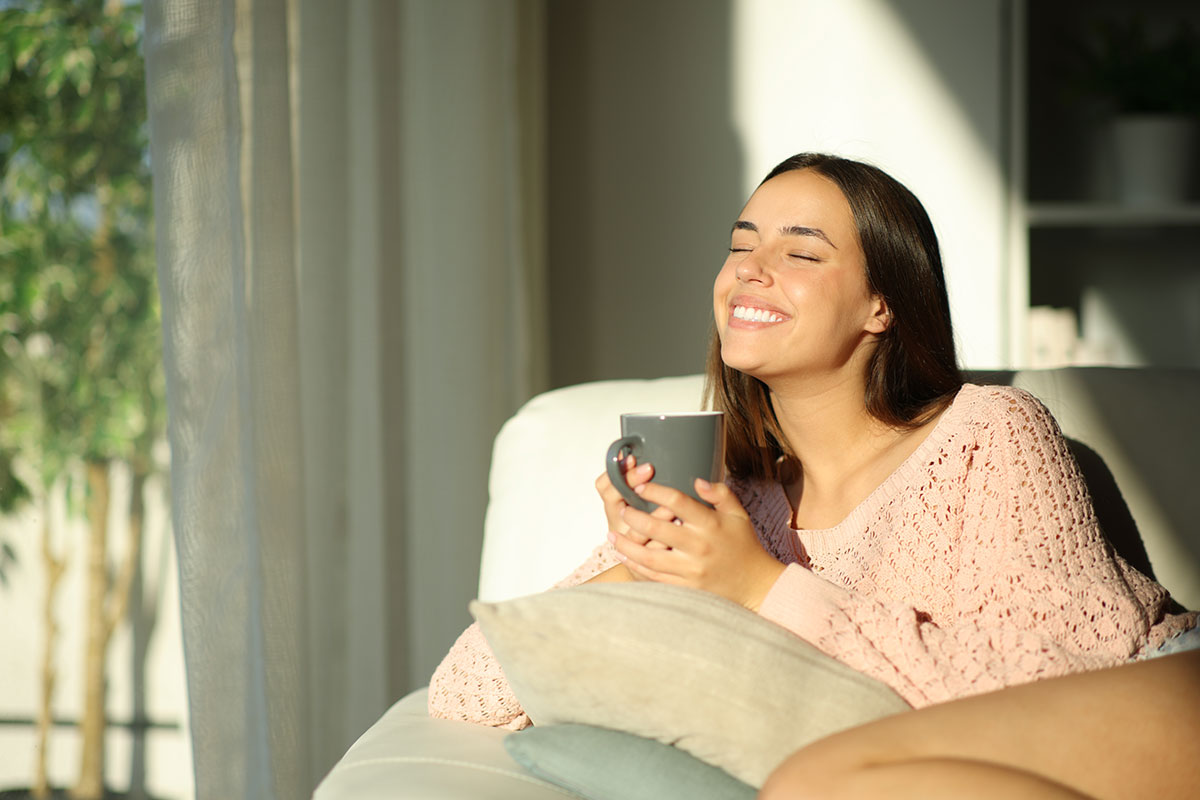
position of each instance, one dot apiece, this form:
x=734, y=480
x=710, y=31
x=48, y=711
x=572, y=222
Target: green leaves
x=75, y=89
x=80, y=352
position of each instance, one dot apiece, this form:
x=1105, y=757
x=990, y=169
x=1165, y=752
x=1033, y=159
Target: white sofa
x=1132, y=428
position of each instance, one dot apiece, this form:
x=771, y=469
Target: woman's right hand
x=635, y=475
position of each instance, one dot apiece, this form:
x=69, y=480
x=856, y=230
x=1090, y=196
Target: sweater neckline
x=907, y=468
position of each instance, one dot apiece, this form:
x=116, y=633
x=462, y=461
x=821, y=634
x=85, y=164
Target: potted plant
x=1151, y=87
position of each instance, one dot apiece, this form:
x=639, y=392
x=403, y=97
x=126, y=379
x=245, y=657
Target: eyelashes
x=796, y=256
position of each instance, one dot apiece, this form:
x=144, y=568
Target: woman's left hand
x=715, y=549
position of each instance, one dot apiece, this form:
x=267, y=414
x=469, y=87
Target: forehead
x=800, y=197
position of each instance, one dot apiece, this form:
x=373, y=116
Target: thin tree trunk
x=141, y=636
x=106, y=607
x=54, y=571
x=90, y=785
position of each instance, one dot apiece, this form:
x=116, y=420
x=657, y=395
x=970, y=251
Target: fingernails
x=612, y=538
x=643, y=469
x=640, y=488
x=703, y=484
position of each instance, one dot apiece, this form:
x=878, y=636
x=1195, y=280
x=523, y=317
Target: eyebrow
x=788, y=230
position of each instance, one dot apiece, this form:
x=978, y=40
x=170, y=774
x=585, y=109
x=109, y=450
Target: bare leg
x=1128, y=732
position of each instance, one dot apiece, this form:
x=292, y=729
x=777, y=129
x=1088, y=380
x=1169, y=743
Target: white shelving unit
x=1124, y=279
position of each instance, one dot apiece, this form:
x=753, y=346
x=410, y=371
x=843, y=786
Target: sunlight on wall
x=852, y=78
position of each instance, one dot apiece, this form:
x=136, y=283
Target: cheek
x=848, y=302
x=809, y=289
x=823, y=291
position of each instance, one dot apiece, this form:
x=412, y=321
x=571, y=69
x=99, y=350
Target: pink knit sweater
x=977, y=564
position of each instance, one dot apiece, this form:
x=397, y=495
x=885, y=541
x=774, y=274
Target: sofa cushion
x=602, y=764
x=680, y=666
x=406, y=755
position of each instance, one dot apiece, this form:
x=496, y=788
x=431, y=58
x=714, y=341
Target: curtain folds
x=348, y=203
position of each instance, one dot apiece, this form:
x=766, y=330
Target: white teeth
x=755, y=314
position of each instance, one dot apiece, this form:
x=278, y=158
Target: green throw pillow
x=679, y=666
x=602, y=764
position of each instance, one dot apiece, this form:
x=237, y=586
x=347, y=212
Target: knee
x=801, y=777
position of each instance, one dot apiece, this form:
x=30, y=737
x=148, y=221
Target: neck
x=827, y=426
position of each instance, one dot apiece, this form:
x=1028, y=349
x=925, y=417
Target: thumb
x=720, y=496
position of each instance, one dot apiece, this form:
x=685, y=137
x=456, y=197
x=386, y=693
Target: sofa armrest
x=406, y=755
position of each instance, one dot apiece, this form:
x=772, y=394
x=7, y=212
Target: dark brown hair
x=913, y=372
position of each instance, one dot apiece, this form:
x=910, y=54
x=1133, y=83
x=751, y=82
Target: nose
x=751, y=270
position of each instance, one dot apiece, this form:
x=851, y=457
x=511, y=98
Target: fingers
x=691, y=517
x=661, y=526
x=681, y=505
x=717, y=495
x=648, y=561
x=720, y=496
x=635, y=475
x=613, y=501
x=661, y=513
x=638, y=474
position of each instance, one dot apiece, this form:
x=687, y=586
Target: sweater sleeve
x=1037, y=590
x=469, y=684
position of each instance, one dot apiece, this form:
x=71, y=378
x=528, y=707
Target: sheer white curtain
x=348, y=209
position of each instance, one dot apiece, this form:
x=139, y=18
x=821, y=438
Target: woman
x=935, y=536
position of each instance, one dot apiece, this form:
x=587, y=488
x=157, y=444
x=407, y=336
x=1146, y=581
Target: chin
x=742, y=362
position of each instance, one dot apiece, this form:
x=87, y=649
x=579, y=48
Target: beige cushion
x=680, y=666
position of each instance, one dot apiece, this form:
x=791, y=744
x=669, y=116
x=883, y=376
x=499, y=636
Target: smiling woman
x=882, y=293
x=935, y=536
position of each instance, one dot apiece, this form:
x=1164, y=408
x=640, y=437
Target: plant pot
x=1155, y=158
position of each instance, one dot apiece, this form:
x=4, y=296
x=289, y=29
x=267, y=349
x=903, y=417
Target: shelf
x=1085, y=215
x=1092, y=279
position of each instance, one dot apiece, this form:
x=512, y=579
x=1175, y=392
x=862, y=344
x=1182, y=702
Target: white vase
x=1155, y=158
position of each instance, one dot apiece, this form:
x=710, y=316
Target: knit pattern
x=977, y=564
x=470, y=685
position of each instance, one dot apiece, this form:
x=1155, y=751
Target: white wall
x=664, y=116
x=913, y=86
x=644, y=181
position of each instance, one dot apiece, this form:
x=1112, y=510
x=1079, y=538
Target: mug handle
x=617, y=454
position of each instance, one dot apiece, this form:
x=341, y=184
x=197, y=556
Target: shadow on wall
x=645, y=178
x=946, y=51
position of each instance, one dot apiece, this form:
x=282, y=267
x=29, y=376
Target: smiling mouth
x=748, y=314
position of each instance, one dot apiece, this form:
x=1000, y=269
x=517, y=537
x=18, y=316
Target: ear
x=881, y=316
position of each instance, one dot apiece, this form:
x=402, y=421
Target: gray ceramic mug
x=681, y=446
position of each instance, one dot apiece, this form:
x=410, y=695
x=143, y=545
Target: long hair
x=913, y=371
